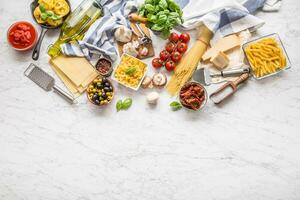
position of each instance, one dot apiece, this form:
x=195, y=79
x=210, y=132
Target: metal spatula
x=45, y=81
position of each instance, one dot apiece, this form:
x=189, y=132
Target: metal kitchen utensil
x=36, y=50
x=204, y=76
x=143, y=39
x=228, y=89
x=45, y=81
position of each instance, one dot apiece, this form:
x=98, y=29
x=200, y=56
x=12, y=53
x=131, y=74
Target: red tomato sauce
x=22, y=35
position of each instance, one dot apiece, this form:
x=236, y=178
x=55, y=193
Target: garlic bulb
x=123, y=34
x=152, y=97
x=143, y=51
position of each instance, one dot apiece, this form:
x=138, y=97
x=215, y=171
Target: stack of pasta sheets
x=75, y=72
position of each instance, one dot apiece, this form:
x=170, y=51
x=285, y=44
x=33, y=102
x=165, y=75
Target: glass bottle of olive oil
x=76, y=24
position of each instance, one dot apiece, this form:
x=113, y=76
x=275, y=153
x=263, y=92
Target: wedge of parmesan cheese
x=224, y=44
x=220, y=60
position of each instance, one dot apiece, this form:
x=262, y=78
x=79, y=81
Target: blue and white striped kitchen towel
x=225, y=17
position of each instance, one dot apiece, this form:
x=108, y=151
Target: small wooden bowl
x=113, y=92
x=108, y=73
x=188, y=106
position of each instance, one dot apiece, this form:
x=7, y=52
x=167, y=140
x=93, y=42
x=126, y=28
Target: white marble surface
x=247, y=149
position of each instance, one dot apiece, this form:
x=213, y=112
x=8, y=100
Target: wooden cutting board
x=135, y=37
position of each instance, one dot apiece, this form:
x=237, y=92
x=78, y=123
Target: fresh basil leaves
x=123, y=105
x=162, y=15
x=175, y=106
x=45, y=14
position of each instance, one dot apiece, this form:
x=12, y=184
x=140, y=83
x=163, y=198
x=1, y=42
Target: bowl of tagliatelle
x=130, y=72
x=266, y=56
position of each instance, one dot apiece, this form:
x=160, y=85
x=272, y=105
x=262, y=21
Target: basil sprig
x=130, y=70
x=45, y=14
x=123, y=105
x=175, y=106
x=162, y=15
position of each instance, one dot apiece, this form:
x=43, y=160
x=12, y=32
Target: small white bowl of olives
x=100, y=91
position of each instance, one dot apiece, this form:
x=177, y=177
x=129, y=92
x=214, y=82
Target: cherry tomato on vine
x=182, y=47
x=174, y=37
x=170, y=46
x=164, y=55
x=170, y=65
x=157, y=63
x=176, y=56
x=184, y=37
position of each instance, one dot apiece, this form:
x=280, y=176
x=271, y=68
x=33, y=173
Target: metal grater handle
x=29, y=69
x=64, y=94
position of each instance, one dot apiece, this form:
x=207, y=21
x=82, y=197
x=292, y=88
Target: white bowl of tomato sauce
x=22, y=36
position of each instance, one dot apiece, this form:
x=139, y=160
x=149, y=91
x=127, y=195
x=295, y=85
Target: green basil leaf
x=158, y=9
x=175, y=105
x=49, y=13
x=44, y=16
x=166, y=33
x=142, y=12
x=127, y=103
x=175, y=108
x=173, y=15
x=163, y=4
x=157, y=27
x=155, y=2
x=151, y=18
x=119, y=105
x=130, y=70
x=149, y=8
x=162, y=19
x=55, y=17
x=42, y=8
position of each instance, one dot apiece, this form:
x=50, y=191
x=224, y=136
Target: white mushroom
x=159, y=80
x=152, y=97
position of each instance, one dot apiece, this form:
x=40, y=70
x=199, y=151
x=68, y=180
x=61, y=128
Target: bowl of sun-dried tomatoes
x=193, y=96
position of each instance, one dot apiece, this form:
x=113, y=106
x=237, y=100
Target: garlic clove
x=143, y=51
x=146, y=82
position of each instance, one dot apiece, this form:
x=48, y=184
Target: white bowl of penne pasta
x=266, y=56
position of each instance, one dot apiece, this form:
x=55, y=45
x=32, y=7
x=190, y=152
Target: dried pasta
x=130, y=71
x=51, y=12
x=185, y=69
x=265, y=57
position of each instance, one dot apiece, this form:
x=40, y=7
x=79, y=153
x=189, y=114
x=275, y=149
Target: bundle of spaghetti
x=188, y=64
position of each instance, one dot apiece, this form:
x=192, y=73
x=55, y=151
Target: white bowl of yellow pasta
x=130, y=72
x=266, y=56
